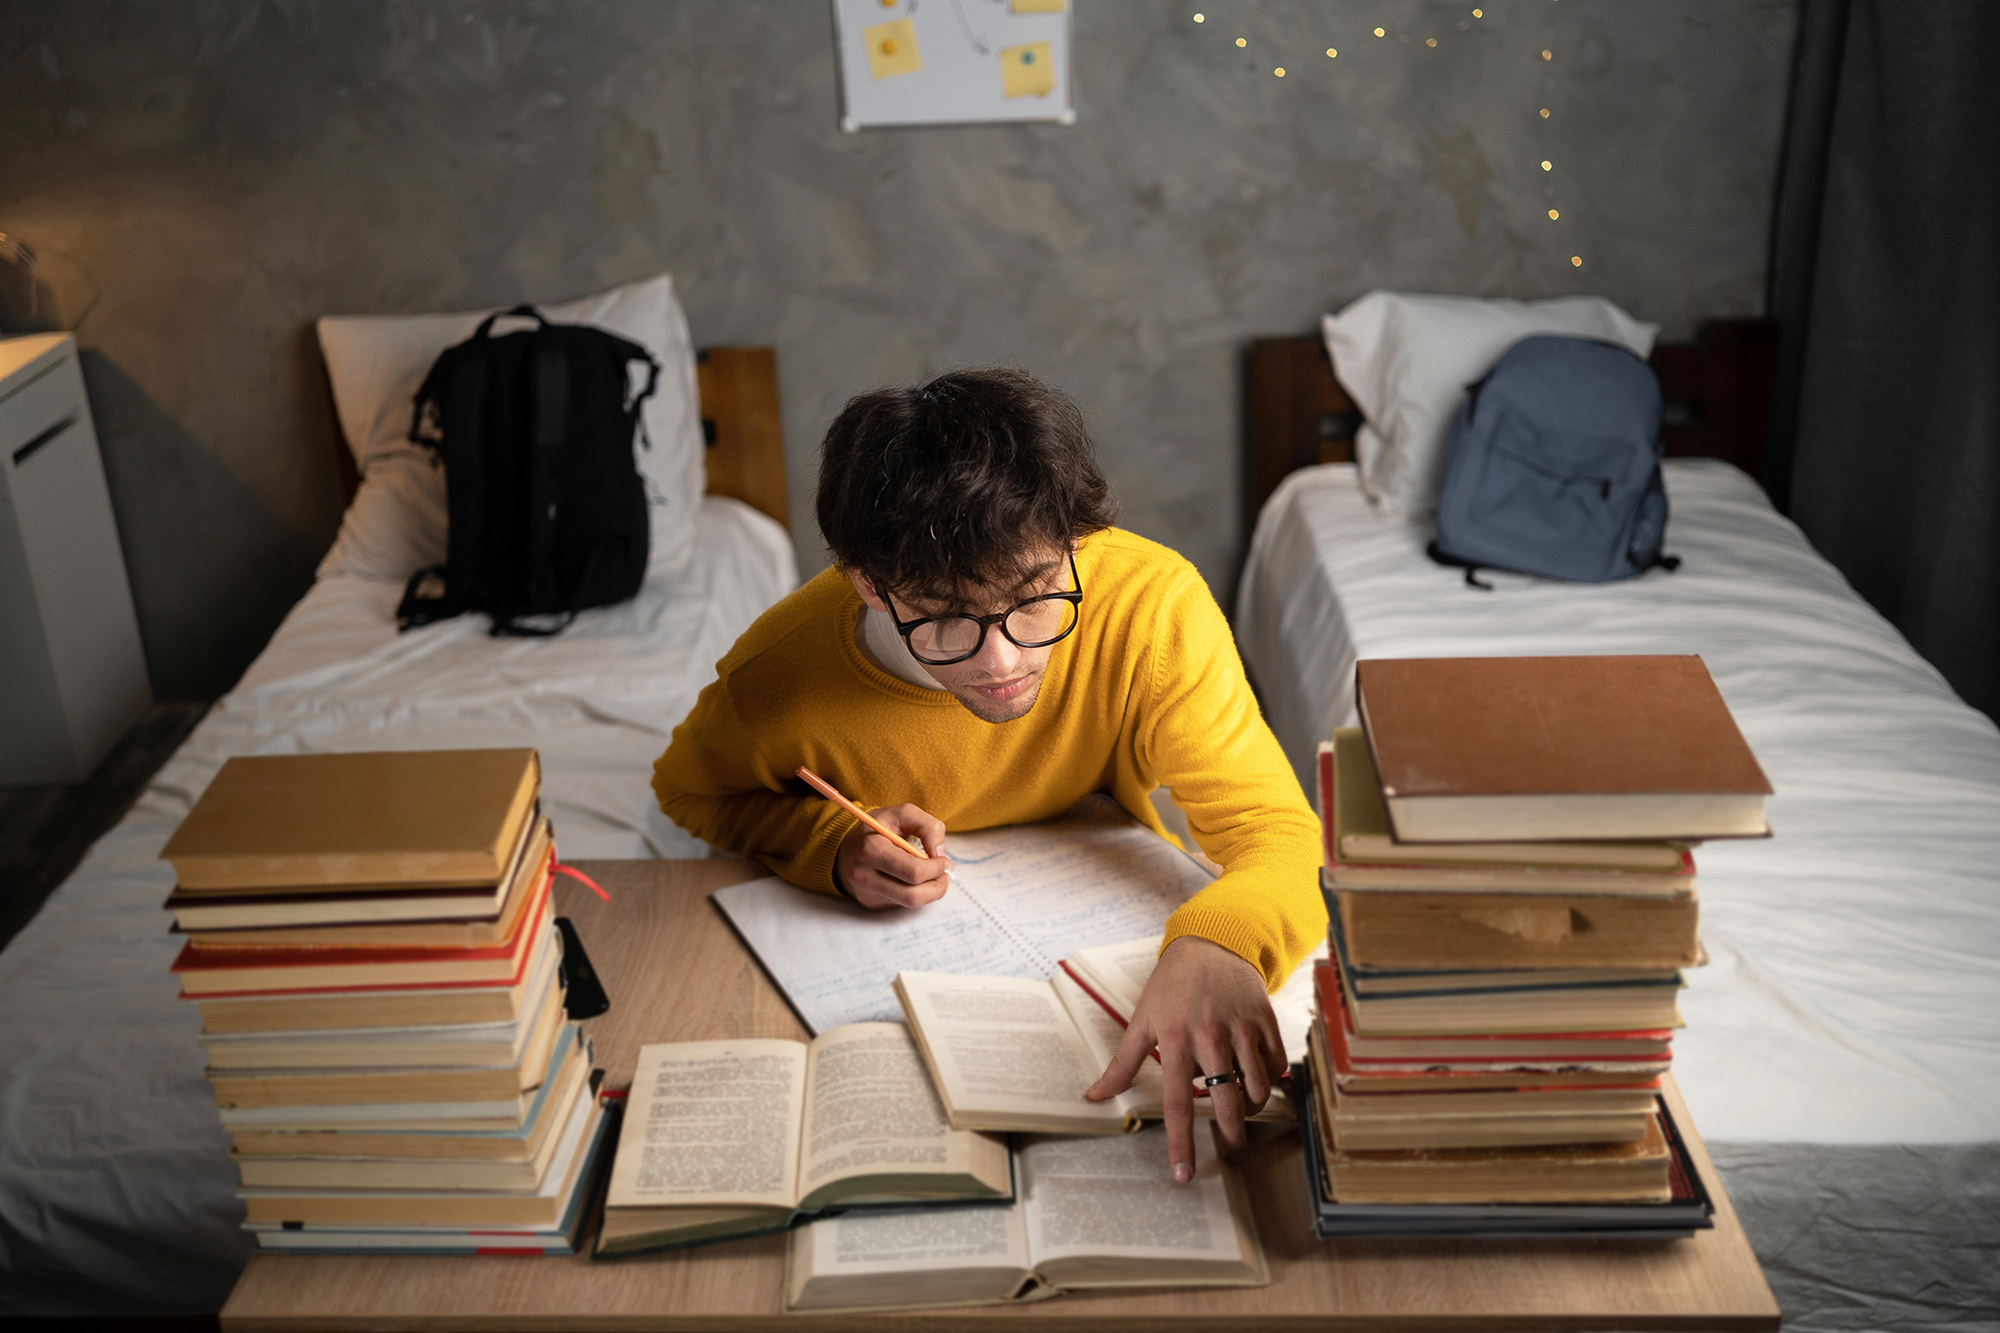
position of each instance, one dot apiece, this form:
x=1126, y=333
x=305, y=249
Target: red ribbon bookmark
x=580, y=878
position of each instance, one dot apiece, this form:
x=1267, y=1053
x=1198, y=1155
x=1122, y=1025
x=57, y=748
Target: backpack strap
x=415, y=610
x=485, y=329
x=507, y=627
x=1472, y=579
x=550, y=368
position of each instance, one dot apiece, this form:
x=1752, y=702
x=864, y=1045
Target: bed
x=1842, y=1048
x=116, y=1192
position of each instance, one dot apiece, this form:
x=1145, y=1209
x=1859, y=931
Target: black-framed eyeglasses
x=1034, y=623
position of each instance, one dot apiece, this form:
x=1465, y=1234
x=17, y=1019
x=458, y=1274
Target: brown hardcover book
x=410, y=1006
x=400, y=1174
x=262, y=968
x=1506, y=930
x=527, y=876
x=541, y=1206
x=1518, y=749
x=1362, y=854
x=240, y=1090
x=1471, y=1118
x=1635, y=1171
x=369, y=1144
x=331, y=823
x=465, y=916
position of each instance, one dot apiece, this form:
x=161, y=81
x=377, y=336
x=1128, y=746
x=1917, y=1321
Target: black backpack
x=548, y=510
x=1552, y=466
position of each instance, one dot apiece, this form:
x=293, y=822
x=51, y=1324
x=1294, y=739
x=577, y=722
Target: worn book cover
x=1530, y=748
x=1361, y=852
x=325, y=822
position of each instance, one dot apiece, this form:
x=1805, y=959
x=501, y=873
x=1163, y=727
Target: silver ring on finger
x=1218, y=1080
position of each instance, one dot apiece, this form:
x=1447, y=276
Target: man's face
x=1002, y=680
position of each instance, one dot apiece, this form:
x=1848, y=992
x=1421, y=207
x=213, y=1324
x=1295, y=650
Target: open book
x=1092, y=1213
x=1020, y=898
x=729, y=1138
x=1008, y=1053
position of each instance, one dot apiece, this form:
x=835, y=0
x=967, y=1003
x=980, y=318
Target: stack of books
x=1510, y=888
x=370, y=944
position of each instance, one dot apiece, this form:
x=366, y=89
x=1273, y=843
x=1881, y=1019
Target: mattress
x=1842, y=1050
x=116, y=1193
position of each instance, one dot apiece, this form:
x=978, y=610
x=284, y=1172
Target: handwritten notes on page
x=1020, y=899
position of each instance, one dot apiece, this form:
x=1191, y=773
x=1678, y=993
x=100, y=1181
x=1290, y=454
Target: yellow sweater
x=1147, y=692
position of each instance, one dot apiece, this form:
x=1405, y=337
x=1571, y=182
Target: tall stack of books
x=370, y=944
x=1511, y=893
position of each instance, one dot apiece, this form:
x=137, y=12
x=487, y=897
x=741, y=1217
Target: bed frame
x=739, y=422
x=1717, y=391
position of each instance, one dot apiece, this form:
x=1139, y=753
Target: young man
x=989, y=650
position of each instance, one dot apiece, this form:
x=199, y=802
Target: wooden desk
x=675, y=972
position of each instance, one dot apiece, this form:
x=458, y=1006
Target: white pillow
x=398, y=520
x=1408, y=361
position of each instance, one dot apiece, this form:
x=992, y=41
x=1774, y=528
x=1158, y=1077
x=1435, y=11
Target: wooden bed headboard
x=1717, y=391
x=739, y=423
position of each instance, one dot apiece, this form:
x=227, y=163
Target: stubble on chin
x=987, y=711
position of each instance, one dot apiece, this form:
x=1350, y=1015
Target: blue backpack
x=1553, y=466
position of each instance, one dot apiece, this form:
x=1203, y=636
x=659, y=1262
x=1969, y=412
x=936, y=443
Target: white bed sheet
x=116, y=1194
x=1842, y=1051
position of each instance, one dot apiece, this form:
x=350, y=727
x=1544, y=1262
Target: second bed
x=1842, y=1049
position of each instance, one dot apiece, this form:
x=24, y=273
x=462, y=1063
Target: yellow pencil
x=826, y=789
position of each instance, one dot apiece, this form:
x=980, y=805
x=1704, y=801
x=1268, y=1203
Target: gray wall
x=219, y=174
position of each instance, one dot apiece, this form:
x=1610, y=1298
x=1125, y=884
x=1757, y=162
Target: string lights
x=1432, y=43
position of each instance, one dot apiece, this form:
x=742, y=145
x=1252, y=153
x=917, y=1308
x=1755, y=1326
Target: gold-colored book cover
x=320, y=822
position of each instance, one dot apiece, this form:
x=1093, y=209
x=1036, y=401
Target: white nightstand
x=72, y=673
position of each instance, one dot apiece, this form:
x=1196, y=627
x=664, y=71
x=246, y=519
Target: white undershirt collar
x=882, y=645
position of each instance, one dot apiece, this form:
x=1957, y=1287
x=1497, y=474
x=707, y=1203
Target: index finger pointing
x=1178, y=1074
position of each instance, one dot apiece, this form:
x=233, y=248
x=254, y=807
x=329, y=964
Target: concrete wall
x=215, y=175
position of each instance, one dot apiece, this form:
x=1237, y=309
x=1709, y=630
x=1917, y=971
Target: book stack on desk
x=1511, y=899
x=370, y=943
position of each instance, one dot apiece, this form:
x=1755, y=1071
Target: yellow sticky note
x=1039, y=6
x=892, y=49
x=1027, y=71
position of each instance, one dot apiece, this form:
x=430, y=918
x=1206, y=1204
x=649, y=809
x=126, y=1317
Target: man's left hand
x=1206, y=1011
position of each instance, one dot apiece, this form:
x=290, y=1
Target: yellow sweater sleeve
x=1203, y=737
x=717, y=782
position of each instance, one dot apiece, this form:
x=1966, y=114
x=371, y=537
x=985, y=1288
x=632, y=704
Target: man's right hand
x=878, y=872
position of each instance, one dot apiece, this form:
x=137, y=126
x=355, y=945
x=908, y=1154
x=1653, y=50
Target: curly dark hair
x=958, y=482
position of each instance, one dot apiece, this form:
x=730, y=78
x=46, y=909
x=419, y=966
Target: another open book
x=1093, y=1212
x=729, y=1138
x=1008, y=1053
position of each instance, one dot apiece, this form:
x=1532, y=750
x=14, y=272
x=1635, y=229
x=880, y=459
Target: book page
x=897, y=1240
x=1102, y=1034
x=712, y=1122
x=1118, y=972
x=1003, y=1044
x=1116, y=1197
x=871, y=1110
x=1125, y=968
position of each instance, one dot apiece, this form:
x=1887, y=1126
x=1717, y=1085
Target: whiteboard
x=949, y=62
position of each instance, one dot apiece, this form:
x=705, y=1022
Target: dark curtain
x=1885, y=280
